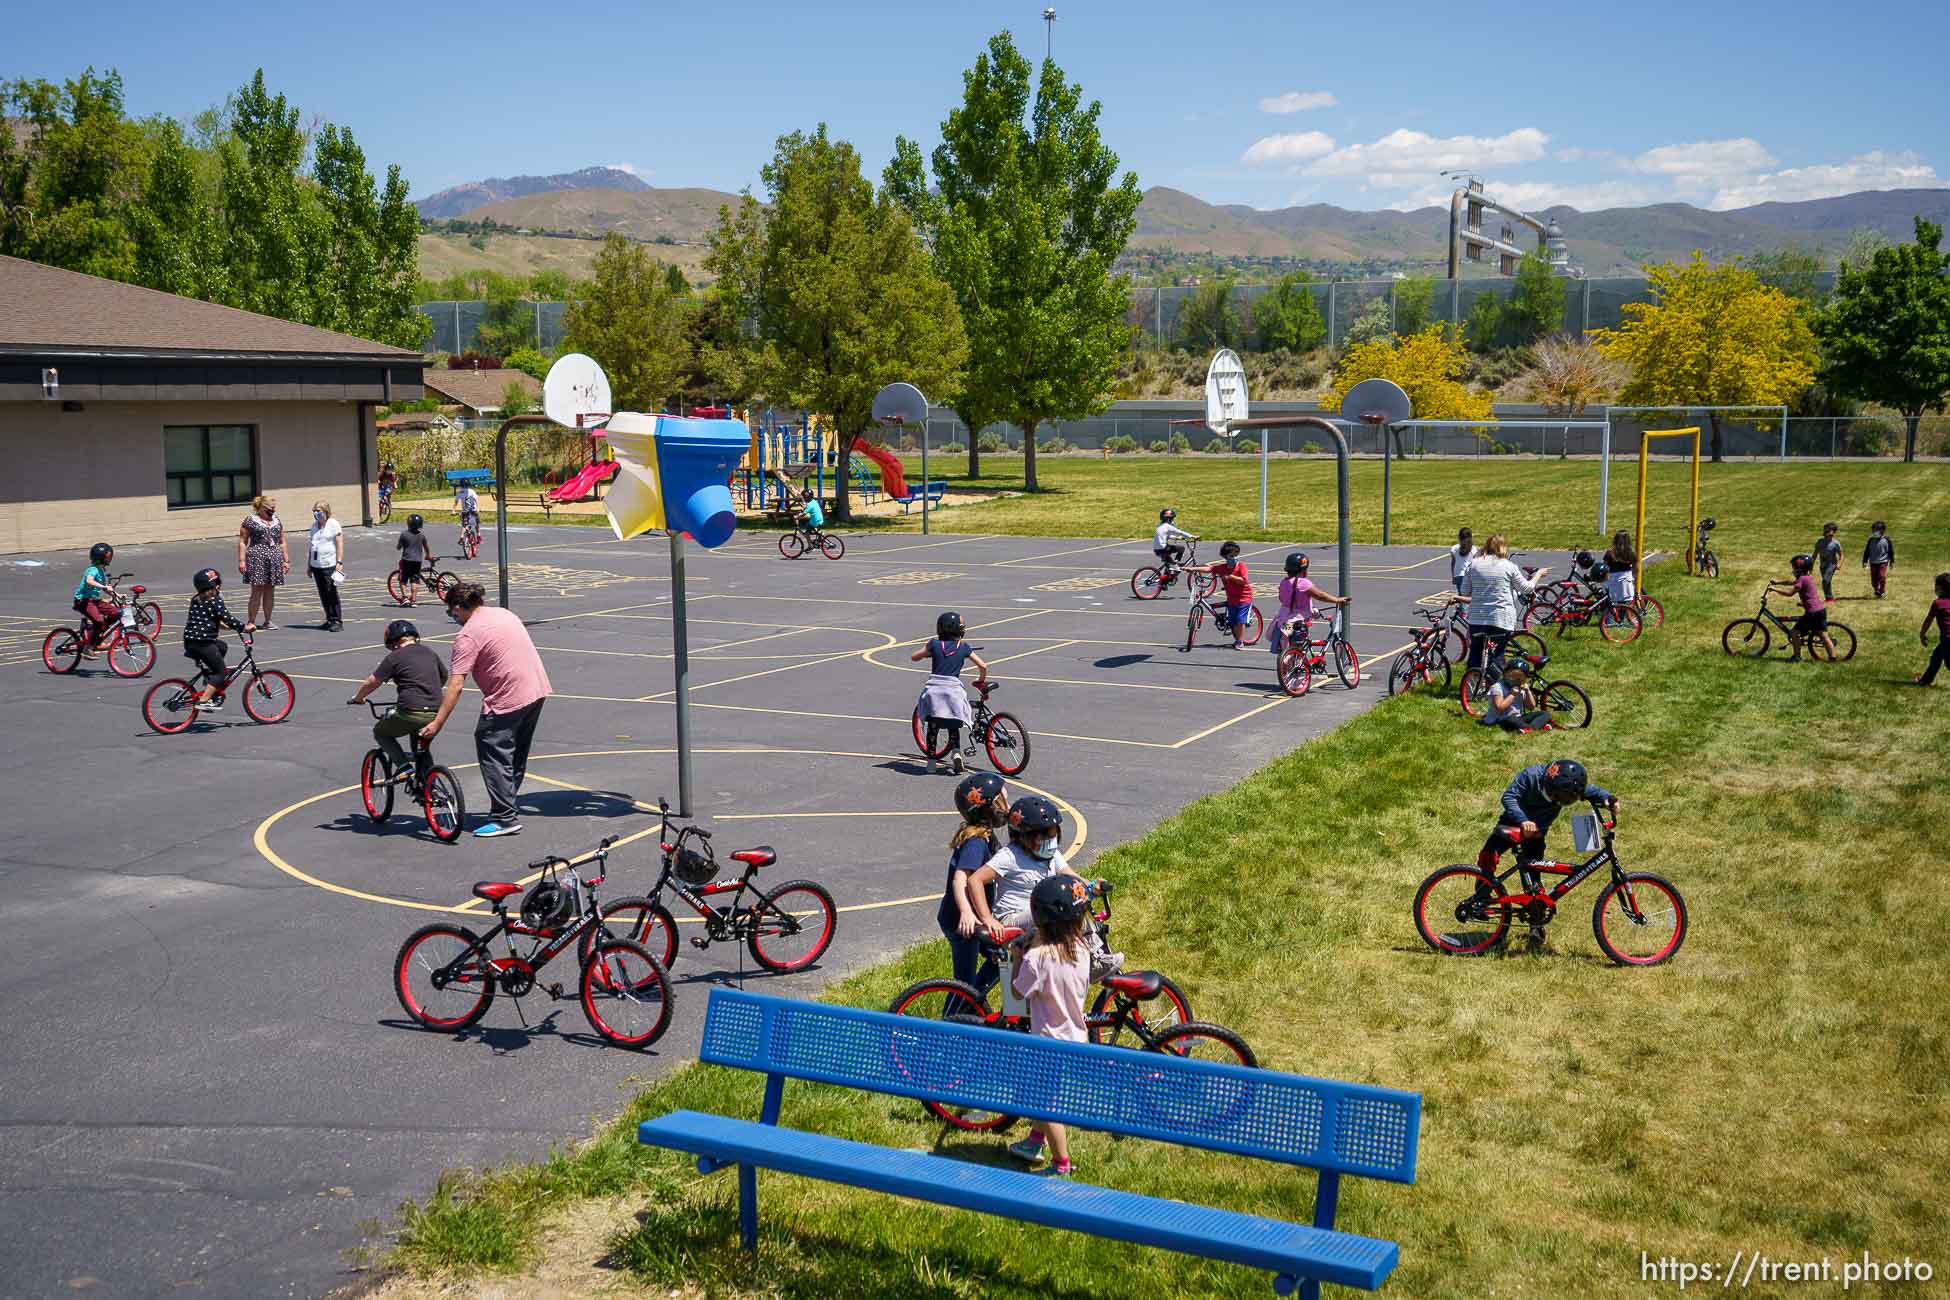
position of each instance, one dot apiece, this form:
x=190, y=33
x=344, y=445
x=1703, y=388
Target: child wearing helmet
x=207, y=614
x=1814, y=608
x=1051, y=974
x=413, y=550
x=1531, y=804
x=944, y=700
x=983, y=802
x=1878, y=557
x=1162, y=541
x=387, y=480
x=1512, y=704
x=810, y=515
x=418, y=679
x=94, y=597
x=1035, y=829
x=1297, y=596
x=1231, y=573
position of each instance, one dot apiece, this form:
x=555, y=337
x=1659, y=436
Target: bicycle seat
x=1140, y=984
x=495, y=890
x=762, y=856
x=138, y=590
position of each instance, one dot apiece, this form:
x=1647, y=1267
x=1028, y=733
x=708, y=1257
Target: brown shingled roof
x=46, y=310
x=480, y=390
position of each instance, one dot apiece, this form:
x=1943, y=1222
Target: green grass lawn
x=1782, y=1086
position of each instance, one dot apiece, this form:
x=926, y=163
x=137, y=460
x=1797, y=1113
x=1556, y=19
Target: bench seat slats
x=1281, y=1247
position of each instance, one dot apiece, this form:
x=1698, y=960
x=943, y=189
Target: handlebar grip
x=607, y=842
x=699, y=831
x=543, y=864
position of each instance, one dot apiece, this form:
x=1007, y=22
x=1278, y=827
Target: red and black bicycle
x=129, y=641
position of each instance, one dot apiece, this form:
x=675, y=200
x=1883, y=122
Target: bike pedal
x=700, y=942
x=555, y=991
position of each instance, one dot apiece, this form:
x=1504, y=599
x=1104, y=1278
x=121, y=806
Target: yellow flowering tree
x=1428, y=366
x=1713, y=336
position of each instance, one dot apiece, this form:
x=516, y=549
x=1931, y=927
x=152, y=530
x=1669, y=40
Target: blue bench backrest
x=469, y=475
x=1320, y=1123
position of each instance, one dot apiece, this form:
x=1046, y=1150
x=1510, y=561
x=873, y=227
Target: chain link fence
x=457, y=325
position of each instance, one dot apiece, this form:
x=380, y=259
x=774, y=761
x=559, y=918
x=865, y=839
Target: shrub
x=1868, y=438
x=1121, y=445
x=1311, y=448
x=1216, y=447
x=1245, y=447
x=990, y=442
x=1159, y=444
x=1179, y=442
x=1053, y=445
x=952, y=448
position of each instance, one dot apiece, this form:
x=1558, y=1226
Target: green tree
x=267, y=235
x=516, y=399
x=1026, y=218
x=1886, y=334
x=1536, y=309
x=175, y=234
x=1414, y=296
x=1287, y=317
x=79, y=176
x=509, y=320
x=839, y=289
x=1212, y=318
x=1794, y=270
x=625, y=317
x=529, y=361
x=674, y=278
x=1371, y=322
x=1485, y=322
x=1712, y=336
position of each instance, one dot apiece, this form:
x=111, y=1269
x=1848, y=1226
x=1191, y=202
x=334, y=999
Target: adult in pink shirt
x=494, y=649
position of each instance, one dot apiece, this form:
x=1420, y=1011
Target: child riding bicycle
x=1531, y=804
x=418, y=678
x=1814, y=608
x=1297, y=596
x=94, y=598
x=468, y=502
x=207, y=614
x=810, y=516
x=944, y=700
x=1163, y=540
x=388, y=480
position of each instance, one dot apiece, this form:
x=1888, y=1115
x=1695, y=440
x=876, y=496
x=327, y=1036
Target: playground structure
x=587, y=482
x=783, y=455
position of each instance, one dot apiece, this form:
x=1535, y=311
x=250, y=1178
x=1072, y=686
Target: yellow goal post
x=1638, y=527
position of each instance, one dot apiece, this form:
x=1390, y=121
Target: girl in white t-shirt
x=1460, y=555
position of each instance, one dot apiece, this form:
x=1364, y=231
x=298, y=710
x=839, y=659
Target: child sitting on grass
x=1940, y=615
x=1512, y=704
x=1051, y=976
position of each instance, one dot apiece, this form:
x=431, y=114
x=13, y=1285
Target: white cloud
x=1295, y=147
x=1297, y=101
x=1403, y=153
x=631, y=168
x=1875, y=170
x=1705, y=160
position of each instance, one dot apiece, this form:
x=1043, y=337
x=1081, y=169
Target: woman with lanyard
x=1490, y=586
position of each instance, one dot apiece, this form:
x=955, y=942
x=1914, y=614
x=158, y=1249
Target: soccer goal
x=1638, y=526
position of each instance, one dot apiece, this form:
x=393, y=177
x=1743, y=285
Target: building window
x=209, y=464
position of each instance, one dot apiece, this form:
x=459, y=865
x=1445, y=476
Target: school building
x=130, y=415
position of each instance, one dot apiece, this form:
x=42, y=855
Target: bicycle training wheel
x=1475, y=692
x=642, y=921
x=1620, y=624
x=624, y=994
x=1567, y=704
x=376, y=784
x=61, y=651
x=396, y=588
x=1192, y=621
x=791, y=926
x=1651, y=611
x=1840, y=633
x=792, y=545
x=1458, y=913
x=1007, y=742
x=130, y=654
x=921, y=737
x=1639, y=919
x=1296, y=672
x=1346, y=665
x=832, y=547
x=1746, y=636
x=268, y=697
x=442, y=977
x=444, y=804
x=169, y=707
x=1169, y=1009
x=920, y=1060
x=1145, y=583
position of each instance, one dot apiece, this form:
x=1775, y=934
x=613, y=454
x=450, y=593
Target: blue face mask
x=1045, y=851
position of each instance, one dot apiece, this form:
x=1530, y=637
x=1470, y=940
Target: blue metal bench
x=470, y=476
x=933, y=490
x=1335, y=1128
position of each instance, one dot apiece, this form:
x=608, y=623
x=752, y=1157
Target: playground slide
x=893, y=479
x=585, y=480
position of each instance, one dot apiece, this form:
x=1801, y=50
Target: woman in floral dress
x=262, y=557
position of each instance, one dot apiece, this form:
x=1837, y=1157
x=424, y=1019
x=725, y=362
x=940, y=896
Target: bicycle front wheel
x=642, y=921
x=832, y=547
x=61, y=651
x=1746, y=636
x=376, y=785
x=792, y=545
x=1402, y=674
x=1567, y=704
x=444, y=804
x=1296, y=672
x=791, y=926
x=1347, y=666
x=269, y=696
x=1843, y=638
x=443, y=978
x=1169, y=1009
x=1639, y=919
x=1620, y=624
x=1651, y=611
x=1459, y=912
x=1710, y=565
x=624, y=994
x=130, y=654
x=1192, y=621
x=385, y=509
x=916, y=1058
x=169, y=707
x=1007, y=742
x=1475, y=692
x=1145, y=583
x=396, y=588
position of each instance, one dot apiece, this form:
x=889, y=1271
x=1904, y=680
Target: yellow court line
x=661, y=697
x=760, y=817
x=1026, y=653
x=1404, y=568
x=868, y=655
x=553, y=695
x=1249, y=713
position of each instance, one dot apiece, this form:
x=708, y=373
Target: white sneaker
x=957, y=763
x=209, y=706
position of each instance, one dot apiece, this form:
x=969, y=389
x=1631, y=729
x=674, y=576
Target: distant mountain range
x=596, y=200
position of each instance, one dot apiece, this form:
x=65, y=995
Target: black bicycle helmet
x=547, y=906
x=1034, y=815
x=982, y=799
x=398, y=630
x=414, y=522
x=1584, y=559
x=1296, y=563
x=694, y=868
x=207, y=580
x=1564, y=779
x=100, y=553
x=949, y=626
x=1230, y=551
x=1803, y=563
x=1598, y=572
x=1060, y=898
x=1709, y=522
x=1166, y=515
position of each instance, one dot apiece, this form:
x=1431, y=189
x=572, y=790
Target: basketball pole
x=680, y=644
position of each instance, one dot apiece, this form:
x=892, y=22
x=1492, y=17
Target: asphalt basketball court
x=208, y=1065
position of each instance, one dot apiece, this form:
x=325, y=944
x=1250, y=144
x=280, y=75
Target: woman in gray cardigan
x=1490, y=585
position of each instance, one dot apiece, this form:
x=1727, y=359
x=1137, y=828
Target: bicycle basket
x=694, y=868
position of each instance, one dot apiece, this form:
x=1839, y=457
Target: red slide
x=584, y=482
x=893, y=479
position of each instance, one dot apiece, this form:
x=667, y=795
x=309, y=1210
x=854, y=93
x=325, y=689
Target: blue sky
x=1719, y=103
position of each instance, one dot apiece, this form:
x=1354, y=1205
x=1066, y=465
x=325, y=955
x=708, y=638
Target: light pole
x=1049, y=31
